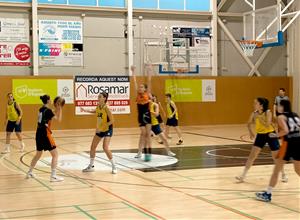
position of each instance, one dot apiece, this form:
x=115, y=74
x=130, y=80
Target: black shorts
x=44, y=140
x=262, y=139
x=156, y=129
x=13, y=126
x=144, y=118
x=107, y=133
x=173, y=122
x=159, y=119
x=290, y=149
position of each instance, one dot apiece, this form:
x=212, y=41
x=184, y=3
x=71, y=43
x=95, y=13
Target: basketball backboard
x=264, y=25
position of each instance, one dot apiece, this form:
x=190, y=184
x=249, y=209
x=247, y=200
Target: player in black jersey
x=289, y=131
x=44, y=139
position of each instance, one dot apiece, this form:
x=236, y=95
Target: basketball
x=59, y=101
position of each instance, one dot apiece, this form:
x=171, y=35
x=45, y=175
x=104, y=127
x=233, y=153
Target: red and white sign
x=87, y=89
x=14, y=54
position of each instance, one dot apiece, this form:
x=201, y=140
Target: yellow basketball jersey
x=170, y=110
x=102, y=119
x=154, y=120
x=259, y=126
x=12, y=114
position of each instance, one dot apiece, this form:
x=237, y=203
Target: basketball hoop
x=248, y=46
x=181, y=70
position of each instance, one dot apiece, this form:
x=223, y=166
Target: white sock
x=7, y=145
x=53, y=172
x=92, y=161
x=30, y=170
x=112, y=162
x=269, y=189
x=245, y=172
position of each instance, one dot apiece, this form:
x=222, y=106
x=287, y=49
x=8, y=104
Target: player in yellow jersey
x=154, y=111
x=159, y=118
x=289, y=131
x=262, y=119
x=13, y=121
x=104, y=130
x=172, y=120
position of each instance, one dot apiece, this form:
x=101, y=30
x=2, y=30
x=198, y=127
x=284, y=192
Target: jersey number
x=294, y=124
x=40, y=117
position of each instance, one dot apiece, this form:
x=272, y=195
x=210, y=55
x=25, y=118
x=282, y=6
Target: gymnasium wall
x=105, y=45
x=234, y=103
x=192, y=5
x=294, y=57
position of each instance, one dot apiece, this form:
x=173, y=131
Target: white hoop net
x=248, y=48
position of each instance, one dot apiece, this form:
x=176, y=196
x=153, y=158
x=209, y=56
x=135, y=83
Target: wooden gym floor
x=198, y=184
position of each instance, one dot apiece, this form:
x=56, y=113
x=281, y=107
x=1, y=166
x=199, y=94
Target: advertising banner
x=199, y=44
x=14, y=30
x=191, y=90
x=87, y=89
x=59, y=31
x=14, y=54
x=55, y=54
x=60, y=43
x=28, y=91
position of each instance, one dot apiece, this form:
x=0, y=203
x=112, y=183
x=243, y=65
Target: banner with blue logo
x=60, y=43
x=54, y=31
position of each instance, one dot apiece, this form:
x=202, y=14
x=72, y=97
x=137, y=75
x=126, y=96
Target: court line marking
x=160, y=184
x=132, y=207
x=150, y=180
x=155, y=168
x=134, y=161
x=126, y=183
x=63, y=206
x=31, y=136
x=28, y=136
x=115, y=194
x=79, y=180
x=84, y=212
x=76, y=176
x=246, y=196
x=3, y=215
x=20, y=170
x=273, y=204
x=48, y=187
x=229, y=208
x=208, y=152
x=60, y=207
x=185, y=193
x=62, y=213
x=11, y=193
x=31, y=187
x=142, y=209
x=217, y=137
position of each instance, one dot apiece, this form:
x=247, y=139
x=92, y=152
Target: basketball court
x=202, y=180
x=199, y=182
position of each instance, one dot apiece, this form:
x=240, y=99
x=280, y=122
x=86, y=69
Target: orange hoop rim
x=257, y=43
x=182, y=70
